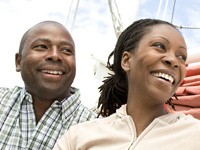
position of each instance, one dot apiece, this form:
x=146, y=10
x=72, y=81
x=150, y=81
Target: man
x=35, y=116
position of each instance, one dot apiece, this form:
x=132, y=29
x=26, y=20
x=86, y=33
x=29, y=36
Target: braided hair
x=114, y=90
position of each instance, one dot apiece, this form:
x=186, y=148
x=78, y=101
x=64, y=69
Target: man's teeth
x=164, y=76
x=52, y=72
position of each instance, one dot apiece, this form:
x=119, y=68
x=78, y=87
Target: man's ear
x=125, y=62
x=17, y=62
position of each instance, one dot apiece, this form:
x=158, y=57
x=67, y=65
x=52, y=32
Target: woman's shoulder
x=189, y=118
x=180, y=120
x=94, y=123
x=189, y=122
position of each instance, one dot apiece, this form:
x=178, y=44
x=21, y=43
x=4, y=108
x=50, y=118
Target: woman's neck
x=144, y=115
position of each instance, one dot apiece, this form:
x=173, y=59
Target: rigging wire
x=116, y=18
x=180, y=27
x=173, y=11
x=159, y=8
x=185, y=27
x=70, y=8
x=165, y=10
x=73, y=14
x=76, y=10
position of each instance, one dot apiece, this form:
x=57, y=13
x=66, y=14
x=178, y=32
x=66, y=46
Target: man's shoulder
x=81, y=111
x=85, y=112
x=82, y=114
x=78, y=111
x=6, y=90
x=9, y=93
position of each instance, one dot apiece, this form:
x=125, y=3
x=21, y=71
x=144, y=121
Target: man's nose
x=54, y=55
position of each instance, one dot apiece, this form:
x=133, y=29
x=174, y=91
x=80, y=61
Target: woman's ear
x=17, y=62
x=125, y=62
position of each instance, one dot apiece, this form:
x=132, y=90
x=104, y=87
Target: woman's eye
x=182, y=57
x=159, y=45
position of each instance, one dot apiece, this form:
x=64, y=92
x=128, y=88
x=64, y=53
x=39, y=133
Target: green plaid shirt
x=18, y=128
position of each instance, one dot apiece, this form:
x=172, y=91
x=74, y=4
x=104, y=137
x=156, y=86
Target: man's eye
x=40, y=47
x=66, y=51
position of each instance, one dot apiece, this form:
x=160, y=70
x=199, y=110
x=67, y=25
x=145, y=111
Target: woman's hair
x=113, y=92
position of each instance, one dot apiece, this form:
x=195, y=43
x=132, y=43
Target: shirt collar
x=169, y=118
x=68, y=105
x=25, y=95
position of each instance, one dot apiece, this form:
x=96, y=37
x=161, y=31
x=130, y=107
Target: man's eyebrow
x=67, y=43
x=41, y=39
x=64, y=42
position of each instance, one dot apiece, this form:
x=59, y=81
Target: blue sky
x=92, y=31
x=186, y=13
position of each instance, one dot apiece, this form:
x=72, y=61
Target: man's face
x=47, y=61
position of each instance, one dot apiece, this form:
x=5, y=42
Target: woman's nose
x=171, y=61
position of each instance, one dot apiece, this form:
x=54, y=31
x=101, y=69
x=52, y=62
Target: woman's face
x=157, y=66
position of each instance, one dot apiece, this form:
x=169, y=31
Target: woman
x=149, y=65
